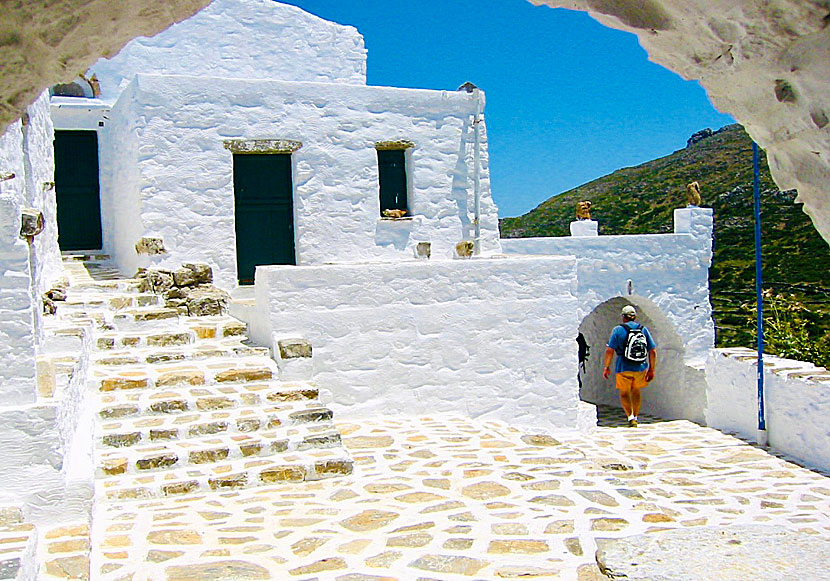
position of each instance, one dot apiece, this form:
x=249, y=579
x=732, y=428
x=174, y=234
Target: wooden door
x=264, y=212
x=77, y=191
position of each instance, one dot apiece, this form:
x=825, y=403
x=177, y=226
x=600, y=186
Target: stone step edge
x=240, y=420
x=195, y=353
x=257, y=473
x=193, y=378
x=195, y=452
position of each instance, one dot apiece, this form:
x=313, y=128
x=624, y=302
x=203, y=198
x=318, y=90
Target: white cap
x=629, y=311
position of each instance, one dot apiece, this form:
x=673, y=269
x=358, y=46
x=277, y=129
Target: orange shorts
x=628, y=379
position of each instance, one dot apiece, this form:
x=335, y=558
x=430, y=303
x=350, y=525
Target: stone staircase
x=186, y=404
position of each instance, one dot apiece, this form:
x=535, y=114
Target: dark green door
x=76, y=190
x=264, y=209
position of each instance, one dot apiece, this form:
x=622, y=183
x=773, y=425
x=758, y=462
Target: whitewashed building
x=246, y=138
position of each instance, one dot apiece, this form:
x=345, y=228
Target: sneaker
x=632, y=423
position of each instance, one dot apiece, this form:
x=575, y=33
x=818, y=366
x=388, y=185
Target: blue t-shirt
x=617, y=343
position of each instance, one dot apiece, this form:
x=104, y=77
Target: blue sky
x=568, y=100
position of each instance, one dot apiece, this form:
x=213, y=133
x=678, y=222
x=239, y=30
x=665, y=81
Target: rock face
x=762, y=553
x=765, y=63
x=41, y=45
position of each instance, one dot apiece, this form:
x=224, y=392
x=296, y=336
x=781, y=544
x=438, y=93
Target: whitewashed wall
x=244, y=39
x=484, y=337
x=17, y=337
x=185, y=179
x=797, y=401
x=669, y=276
x=118, y=155
x=39, y=159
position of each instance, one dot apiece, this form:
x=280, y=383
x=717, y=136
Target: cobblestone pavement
x=454, y=498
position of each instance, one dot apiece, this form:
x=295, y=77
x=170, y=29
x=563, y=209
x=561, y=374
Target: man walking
x=636, y=361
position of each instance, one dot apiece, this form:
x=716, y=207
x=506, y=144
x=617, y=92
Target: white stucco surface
x=39, y=158
x=17, y=337
x=796, y=397
x=483, y=337
x=242, y=39
x=172, y=177
x=666, y=277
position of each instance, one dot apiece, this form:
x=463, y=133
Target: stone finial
x=31, y=223
x=423, y=250
x=583, y=210
x=397, y=214
x=294, y=348
x=464, y=249
x=693, y=194
x=95, y=84
x=150, y=246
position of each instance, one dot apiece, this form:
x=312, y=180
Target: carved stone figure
x=394, y=213
x=583, y=210
x=693, y=194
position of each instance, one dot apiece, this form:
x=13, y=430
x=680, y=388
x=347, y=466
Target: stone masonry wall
x=796, y=396
x=185, y=174
x=242, y=39
x=481, y=337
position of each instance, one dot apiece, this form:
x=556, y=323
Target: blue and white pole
x=759, y=297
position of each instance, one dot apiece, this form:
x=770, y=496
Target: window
x=394, y=199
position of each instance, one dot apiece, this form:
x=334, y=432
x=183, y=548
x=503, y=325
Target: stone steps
x=228, y=348
x=184, y=404
x=212, y=448
x=176, y=400
x=113, y=301
x=191, y=331
x=17, y=543
x=242, y=420
x=194, y=373
x=313, y=464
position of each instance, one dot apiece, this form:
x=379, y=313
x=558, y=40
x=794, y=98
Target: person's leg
x=624, y=385
x=638, y=382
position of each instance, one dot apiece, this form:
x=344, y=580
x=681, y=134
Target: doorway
x=77, y=190
x=264, y=212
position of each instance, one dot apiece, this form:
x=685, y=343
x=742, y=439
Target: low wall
x=796, y=397
x=484, y=337
x=17, y=337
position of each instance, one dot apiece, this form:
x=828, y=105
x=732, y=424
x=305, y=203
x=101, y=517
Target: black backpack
x=635, y=349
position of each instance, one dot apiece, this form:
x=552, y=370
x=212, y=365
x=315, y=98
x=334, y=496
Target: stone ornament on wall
x=464, y=249
x=394, y=145
x=262, y=145
x=150, y=246
x=31, y=223
x=693, y=194
x=583, y=210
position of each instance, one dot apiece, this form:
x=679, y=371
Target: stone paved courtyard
x=454, y=498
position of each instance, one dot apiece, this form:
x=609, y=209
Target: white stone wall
x=118, y=157
x=796, y=397
x=242, y=39
x=185, y=179
x=17, y=337
x=669, y=276
x=483, y=337
x=39, y=159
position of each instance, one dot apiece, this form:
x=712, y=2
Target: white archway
x=677, y=391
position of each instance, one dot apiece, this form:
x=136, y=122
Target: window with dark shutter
x=392, y=177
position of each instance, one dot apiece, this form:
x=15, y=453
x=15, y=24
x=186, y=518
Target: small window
x=394, y=202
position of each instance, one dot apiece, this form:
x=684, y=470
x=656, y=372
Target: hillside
x=640, y=200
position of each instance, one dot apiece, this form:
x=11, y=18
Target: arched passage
x=677, y=391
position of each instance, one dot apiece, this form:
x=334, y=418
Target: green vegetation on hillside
x=641, y=199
